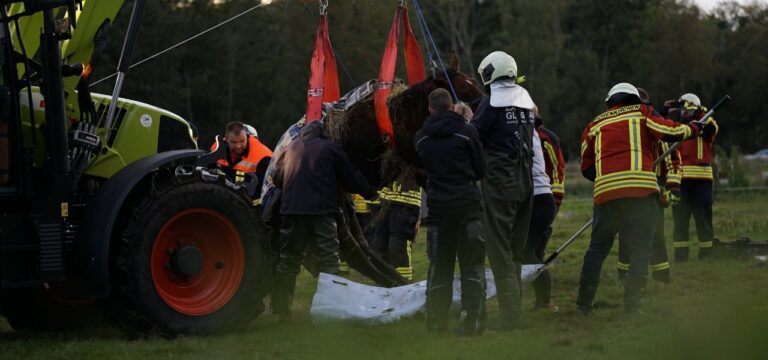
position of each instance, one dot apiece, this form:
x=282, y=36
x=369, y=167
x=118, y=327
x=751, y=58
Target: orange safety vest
x=256, y=151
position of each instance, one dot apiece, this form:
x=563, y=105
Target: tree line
x=255, y=69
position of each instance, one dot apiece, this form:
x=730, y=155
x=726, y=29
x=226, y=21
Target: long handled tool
x=672, y=148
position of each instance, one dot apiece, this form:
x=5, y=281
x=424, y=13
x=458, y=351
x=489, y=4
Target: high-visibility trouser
x=393, y=235
x=695, y=199
x=659, y=260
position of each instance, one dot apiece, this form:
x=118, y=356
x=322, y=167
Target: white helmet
x=496, y=65
x=251, y=130
x=623, y=88
x=691, y=98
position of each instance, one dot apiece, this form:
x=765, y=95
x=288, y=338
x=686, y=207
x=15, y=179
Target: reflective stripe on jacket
x=553, y=161
x=249, y=159
x=404, y=195
x=696, y=152
x=618, y=147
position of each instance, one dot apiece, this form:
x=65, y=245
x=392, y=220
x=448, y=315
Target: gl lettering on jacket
x=515, y=115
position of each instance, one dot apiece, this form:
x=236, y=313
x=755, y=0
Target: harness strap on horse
x=414, y=63
x=324, y=77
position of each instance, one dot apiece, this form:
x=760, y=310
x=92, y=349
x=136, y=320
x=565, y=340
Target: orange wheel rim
x=197, y=261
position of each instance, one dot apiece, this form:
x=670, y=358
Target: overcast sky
x=709, y=4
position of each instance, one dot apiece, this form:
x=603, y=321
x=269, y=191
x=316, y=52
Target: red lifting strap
x=414, y=63
x=324, y=77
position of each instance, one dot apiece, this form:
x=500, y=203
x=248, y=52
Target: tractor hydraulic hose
x=125, y=58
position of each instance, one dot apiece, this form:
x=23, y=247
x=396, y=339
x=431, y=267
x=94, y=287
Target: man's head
x=440, y=101
x=622, y=94
x=497, y=65
x=237, y=137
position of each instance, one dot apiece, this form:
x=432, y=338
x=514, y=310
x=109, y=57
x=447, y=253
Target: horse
x=358, y=131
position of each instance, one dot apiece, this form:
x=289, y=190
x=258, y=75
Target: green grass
x=714, y=309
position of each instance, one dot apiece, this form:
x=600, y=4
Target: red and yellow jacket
x=696, y=152
x=670, y=169
x=618, y=148
x=554, y=164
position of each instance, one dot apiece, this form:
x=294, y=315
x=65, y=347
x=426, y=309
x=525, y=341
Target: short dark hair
x=440, y=100
x=234, y=128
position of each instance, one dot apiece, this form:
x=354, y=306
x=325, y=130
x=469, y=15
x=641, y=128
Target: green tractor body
x=122, y=215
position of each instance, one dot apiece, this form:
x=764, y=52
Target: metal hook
x=403, y=3
x=323, y=7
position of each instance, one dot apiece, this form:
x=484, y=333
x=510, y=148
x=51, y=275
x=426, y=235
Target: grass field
x=716, y=309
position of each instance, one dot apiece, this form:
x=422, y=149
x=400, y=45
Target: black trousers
x=695, y=199
x=450, y=237
x=659, y=259
x=315, y=233
x=393, y=235
x=636, y=218
x=507, y=191
x=542, y=215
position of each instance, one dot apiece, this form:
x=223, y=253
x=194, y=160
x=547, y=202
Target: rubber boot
x=681, y=254
x=586, y=296
x=621, y=274
x=633, y=295
x=662, y=276
x=705, y=253
x=282, y=296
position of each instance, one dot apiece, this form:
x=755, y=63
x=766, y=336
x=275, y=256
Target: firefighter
x=617, y=154
x=696, y=187
x=548, y=190
x=668, y=175
x=311, y=172
x=505, y=122
x=451, y=153
x=365, y=212
x=396, y=228
x=244, y=155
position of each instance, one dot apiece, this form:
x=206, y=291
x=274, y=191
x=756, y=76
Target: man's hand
x=464, y=110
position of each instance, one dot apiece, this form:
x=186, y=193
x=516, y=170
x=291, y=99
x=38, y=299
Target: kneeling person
x=452, y=156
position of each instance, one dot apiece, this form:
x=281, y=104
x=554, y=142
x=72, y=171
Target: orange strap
x=324, y=77
x=414, y=63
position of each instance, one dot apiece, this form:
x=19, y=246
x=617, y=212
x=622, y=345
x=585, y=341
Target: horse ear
x=454, y=61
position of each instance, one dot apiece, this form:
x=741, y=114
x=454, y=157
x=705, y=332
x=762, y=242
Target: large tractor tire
x=190, y=258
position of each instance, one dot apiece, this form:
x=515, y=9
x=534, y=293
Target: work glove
x=670, y=198
x=697, y=125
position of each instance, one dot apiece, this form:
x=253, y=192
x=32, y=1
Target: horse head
x=409, y=109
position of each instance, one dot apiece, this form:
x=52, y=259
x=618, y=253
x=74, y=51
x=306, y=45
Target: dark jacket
x=453, y=161
x=313, y=172
x=508, y=130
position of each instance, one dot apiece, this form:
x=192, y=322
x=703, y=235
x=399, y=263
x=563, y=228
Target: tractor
x=103, y=209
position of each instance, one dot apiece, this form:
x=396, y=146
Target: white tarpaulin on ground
x=339, y=299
